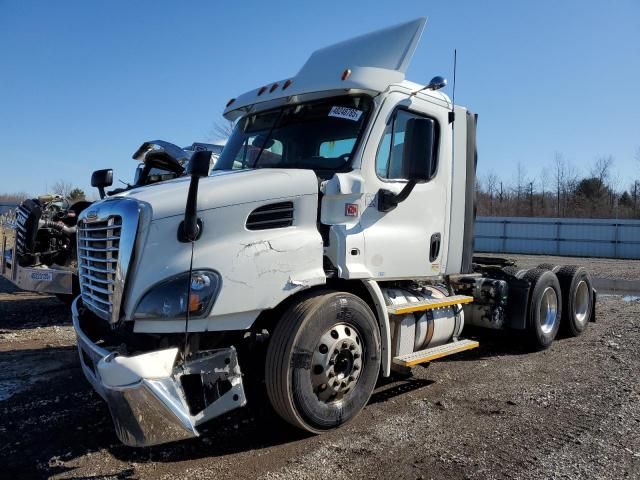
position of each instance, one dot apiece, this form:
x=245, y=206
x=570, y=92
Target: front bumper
x=146, y=393
x=32, y=279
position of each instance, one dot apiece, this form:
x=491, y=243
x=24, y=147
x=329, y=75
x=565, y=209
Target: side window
x=389, y=161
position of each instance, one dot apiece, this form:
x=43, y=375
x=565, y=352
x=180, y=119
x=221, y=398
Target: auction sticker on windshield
x=346, y=113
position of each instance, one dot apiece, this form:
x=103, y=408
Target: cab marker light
x=346, y=74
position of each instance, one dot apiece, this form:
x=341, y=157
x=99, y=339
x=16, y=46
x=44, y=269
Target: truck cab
x=331, y=243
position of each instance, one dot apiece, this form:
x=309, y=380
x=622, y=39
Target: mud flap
x=594, y=297
x=518, y=303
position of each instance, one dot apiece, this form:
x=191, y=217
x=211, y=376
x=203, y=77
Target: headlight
x=171, y=298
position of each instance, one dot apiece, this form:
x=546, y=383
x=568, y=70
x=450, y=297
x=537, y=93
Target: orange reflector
x=273, y=87
x=286, y=84
x=231, y=101
x=346, y=74
x=262, y=90
x=194, y=302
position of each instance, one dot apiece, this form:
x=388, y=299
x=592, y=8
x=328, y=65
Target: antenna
x=452, y=114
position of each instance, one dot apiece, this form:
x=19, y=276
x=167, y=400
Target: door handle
x=434, y=247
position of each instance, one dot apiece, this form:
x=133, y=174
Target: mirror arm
x=101, y=192
x=191, y=227
x=387, y=200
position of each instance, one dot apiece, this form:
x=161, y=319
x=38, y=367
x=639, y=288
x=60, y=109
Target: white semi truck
x=331, y=244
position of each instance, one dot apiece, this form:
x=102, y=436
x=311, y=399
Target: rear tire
x=323, y=361
x=545, y=308
x=577, y=294
x=514, y=271
x=548, y=266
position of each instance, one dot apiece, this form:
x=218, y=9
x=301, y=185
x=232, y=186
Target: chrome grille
x=98, y=256
x=21, y=229
x=106, y=236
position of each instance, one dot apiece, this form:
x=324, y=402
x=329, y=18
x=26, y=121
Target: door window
x=389, y=161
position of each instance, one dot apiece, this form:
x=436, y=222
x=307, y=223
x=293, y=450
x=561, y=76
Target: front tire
x=323, y=361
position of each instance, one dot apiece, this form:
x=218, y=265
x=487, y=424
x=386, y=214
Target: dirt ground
x=497, y=412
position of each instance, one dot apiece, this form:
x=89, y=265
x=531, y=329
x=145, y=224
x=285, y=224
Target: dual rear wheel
x=561, y=299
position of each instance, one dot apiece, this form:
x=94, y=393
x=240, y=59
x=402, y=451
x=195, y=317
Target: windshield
x=319, y=135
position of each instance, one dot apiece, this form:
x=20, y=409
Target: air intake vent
x=276, y=215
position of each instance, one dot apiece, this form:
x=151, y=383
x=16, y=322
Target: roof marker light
x=346, y=74
x=286, y=84
x=273, y=87
x=230, y=102
x=262, y=90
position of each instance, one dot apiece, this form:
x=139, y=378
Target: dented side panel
x=259, y=268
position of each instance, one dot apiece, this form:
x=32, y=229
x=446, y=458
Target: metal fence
x=559, y=236
x=7, y=207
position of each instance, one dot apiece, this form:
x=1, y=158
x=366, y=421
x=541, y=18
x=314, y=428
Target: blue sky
x=83, y=84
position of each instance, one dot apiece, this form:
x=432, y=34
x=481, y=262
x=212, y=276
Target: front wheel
x=323, y=361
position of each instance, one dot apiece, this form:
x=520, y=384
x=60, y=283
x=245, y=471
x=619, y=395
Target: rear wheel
x=514, y=271
x=323, y=361
x=548, y=266
x=545, y=308
x=577, y=293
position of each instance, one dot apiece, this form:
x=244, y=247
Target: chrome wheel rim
x=581, y=302
x=548, y=310
x=337, y=363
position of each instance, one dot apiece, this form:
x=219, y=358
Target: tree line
x=65, y=189
x=561, y=190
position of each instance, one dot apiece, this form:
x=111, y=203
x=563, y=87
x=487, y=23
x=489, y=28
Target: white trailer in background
x=331, y=244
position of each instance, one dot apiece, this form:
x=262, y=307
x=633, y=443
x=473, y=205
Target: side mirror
x=436, y=83
x=417, y=153
x=102, y=179
x=418, y=161
x=138, y=174
x=199, y=164
x=191, y=227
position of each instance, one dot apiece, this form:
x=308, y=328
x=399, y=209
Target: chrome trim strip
x=117, y=219
x=96, y=279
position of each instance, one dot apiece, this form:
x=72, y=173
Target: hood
x=226, y=188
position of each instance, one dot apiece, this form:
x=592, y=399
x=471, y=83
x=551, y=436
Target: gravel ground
x=598, y=267
x=497, y=412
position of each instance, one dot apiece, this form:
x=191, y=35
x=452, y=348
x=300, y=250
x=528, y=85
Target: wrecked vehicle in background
x=38, y=239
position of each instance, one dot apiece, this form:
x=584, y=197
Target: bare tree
x=13, y=198
x=62, y=188
x=492, y=184
x=559, y=178
x=521, y=184
x=544, y=182
x=221, y=130
x=602, y=168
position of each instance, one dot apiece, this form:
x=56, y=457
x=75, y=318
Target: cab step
x=428, y=304
x=433, y=353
